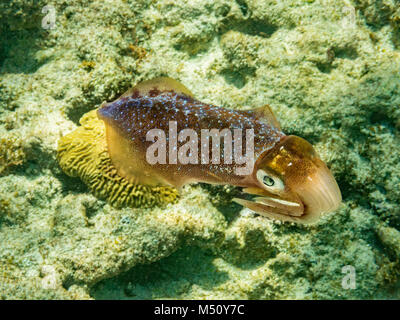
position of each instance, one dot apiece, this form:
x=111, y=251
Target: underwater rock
x=20, y=14
x=11, y=154
x=390, y=237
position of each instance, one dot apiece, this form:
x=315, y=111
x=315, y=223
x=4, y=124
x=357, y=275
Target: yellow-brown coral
x=11, y=154
x=83, y=153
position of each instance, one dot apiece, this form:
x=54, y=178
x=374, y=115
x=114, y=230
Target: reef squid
x=287, y=180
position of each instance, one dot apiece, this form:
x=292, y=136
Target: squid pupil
x=268, y=181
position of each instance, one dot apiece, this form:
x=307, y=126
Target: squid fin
x=156, y=86
x=264, y=114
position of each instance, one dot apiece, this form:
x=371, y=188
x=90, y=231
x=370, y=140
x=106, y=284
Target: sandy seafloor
x=329, y=69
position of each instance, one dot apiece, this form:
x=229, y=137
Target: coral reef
x=329, y=70
x=83, y=153
x=11, y=154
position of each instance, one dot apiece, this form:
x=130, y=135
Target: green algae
x=330, y=77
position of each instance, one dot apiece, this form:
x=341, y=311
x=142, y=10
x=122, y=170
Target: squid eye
x=269, y=181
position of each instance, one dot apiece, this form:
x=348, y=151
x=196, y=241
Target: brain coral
x=83, y=153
